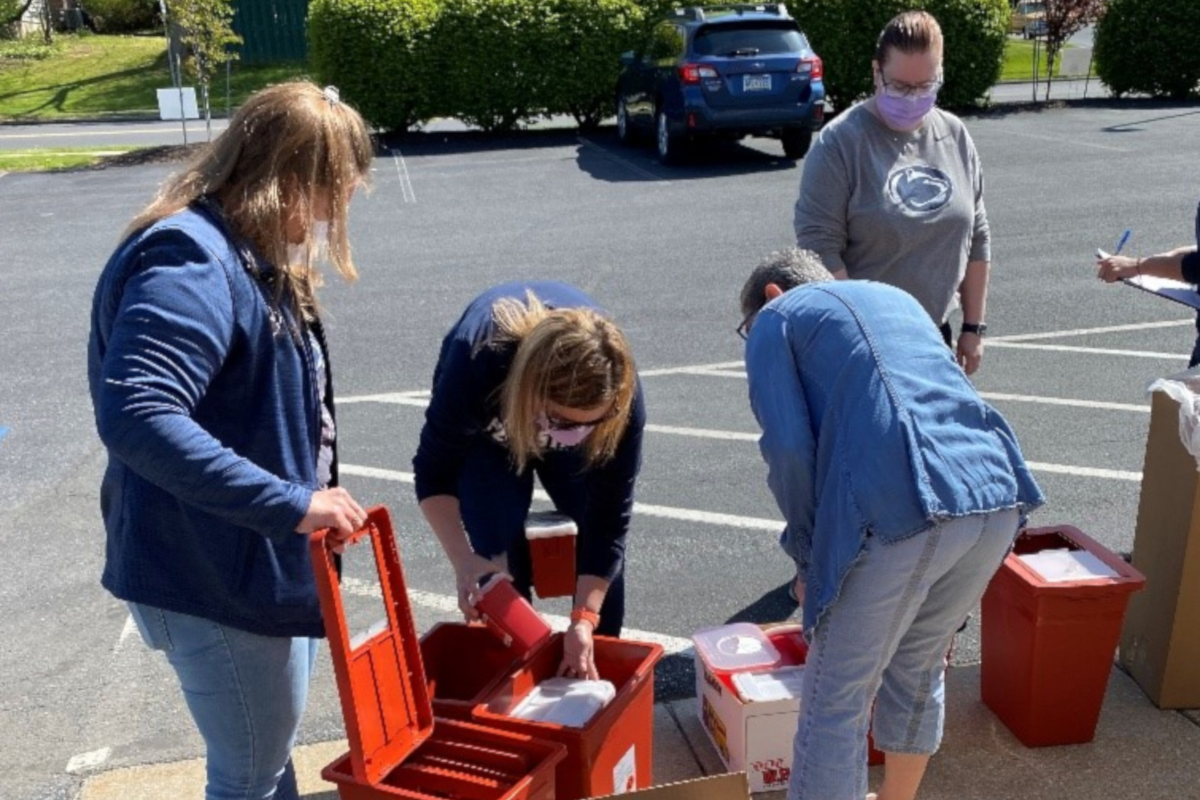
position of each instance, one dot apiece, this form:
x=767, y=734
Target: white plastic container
x=739, y=647
x=565, y=701
x=785, y=683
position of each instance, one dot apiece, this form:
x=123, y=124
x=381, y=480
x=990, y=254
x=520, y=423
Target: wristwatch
x=977, y=328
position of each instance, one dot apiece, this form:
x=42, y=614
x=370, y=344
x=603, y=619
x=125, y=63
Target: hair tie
x=332, y=95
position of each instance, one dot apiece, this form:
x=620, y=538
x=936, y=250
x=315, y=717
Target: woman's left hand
x=579, y=654
x=970, y=352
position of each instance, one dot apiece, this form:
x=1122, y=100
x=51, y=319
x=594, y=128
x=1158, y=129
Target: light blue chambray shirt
x=870, y=428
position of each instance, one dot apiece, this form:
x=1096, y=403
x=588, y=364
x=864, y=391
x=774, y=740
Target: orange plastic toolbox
x=1048, y=647
x=397, y=749
x=613, y=753
x=464, y=664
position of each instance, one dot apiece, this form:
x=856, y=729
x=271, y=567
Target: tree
x=208, y=35
x=11, y=11
x=1064, y=19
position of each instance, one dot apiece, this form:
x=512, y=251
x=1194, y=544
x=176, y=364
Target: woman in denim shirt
x=902, y=491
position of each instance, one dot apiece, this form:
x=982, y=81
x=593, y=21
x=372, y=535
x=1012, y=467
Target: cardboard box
x=719, y=787
x=755, y=738
x=1160, y=643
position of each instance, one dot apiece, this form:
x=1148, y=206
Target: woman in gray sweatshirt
x=892, y=189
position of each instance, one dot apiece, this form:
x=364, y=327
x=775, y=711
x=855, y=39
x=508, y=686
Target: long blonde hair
x=283, y=148
x=572, y=357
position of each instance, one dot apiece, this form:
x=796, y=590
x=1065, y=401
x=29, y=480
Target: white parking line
x=704, y=433
x=1086, y=472
x=1138, y=326
x=647, y=509
x=1064, y=401
x=654, y=373
x=1098, y=351
x=448, y=604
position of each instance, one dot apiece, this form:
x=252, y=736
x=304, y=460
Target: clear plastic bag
x=1184, y=389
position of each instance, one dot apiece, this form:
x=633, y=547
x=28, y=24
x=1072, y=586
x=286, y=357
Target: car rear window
x=767, y=38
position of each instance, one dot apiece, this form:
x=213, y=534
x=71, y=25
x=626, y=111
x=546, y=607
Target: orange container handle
x=322, y=538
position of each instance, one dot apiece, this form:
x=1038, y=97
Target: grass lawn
x=88, y=76
x=42, y=159
x=1018, y=61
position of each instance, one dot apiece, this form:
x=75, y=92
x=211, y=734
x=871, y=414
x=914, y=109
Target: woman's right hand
x=467, y=572
x=336, y=509
x=1114, y=268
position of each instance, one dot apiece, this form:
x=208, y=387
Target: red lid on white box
x=381, y=680
x=736, y=647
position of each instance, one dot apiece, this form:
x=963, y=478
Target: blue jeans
x=883, y=643
x=494, y=501
x=246, y=693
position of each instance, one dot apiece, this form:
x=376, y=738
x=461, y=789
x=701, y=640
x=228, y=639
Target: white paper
x=777, y=684
x=168, y=104
x=1059, y=566
x=565, y=701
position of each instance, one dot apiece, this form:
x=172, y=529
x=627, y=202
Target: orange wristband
x=585, y=615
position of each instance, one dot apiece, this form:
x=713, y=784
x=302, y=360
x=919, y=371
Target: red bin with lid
x=1051, y=622
x=613, y=752
x=397, y=748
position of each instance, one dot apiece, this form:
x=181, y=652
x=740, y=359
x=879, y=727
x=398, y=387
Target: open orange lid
x=380, y=677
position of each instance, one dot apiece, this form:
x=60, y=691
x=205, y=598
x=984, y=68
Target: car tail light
x=694, y=73
x=812, y=66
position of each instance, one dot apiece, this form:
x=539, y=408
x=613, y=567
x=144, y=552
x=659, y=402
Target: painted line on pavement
x=107, y=132
x=646, y=509
x=406, y=187
x=654, y=373
x=1086, y=472
x=703, y=433
x=448, y=604
x=1098, y=351
x=1064, y=401
x=1138, y=326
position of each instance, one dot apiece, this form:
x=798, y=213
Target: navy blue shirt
x=464, y=411
x=206, y=398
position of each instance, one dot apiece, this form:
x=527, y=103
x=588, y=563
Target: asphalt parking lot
x=665, y=250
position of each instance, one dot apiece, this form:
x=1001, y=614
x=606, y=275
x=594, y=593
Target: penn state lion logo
x=920, y=189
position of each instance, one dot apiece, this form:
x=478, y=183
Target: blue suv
x=731, y=71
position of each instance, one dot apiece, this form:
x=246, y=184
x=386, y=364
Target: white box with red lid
x=756, y=736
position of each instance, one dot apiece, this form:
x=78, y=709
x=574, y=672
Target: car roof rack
x=701, y=13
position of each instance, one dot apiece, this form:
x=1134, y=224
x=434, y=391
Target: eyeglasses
x=907, y=90
x=743, y=329
x=560, y=424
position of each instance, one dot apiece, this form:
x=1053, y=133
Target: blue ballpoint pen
x=1121, y=243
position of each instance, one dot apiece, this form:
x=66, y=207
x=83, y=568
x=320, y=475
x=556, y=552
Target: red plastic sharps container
x=551, y=538
x=510, y=614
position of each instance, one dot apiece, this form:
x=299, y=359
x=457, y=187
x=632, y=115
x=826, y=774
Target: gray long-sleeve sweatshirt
x=901, y=208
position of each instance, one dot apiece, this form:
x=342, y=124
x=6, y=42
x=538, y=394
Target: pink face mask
x=904, y=113
x=563, y=434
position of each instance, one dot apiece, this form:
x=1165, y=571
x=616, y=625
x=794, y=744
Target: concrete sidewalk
x=1140, y=753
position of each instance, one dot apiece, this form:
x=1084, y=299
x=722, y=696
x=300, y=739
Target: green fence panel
x=271, y=30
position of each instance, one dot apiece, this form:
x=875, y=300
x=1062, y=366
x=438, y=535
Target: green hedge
x=498, y=63
x=377, y=53
x=1151, y=47
x=123, y=16
x=844, y=32
x=491, y=63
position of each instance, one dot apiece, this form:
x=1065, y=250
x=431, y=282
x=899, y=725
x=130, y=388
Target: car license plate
x=756, y=83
